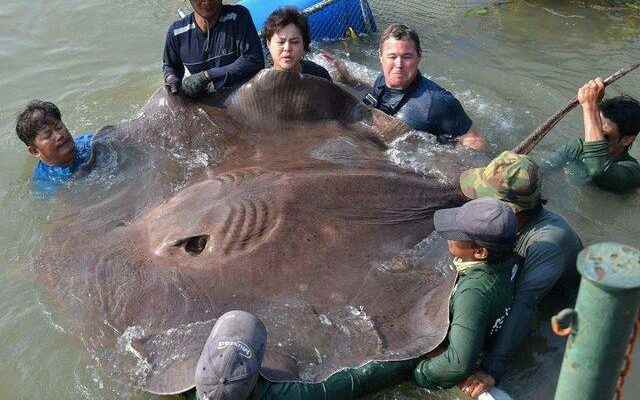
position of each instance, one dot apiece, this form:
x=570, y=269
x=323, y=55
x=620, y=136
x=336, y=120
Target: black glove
x=211, y=89
x=195, y=85
x=172, y=83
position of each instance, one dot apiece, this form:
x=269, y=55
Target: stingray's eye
x=193, y=245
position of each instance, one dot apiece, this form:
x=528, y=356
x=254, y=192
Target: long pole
x=537, y=135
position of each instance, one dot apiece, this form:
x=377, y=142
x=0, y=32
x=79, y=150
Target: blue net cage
x=328, y=19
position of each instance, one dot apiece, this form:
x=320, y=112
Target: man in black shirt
x=214, y=47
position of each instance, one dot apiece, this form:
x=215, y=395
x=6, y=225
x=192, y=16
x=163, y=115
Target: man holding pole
x=610, y=128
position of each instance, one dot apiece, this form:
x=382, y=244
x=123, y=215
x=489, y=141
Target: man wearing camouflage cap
x=546, y=242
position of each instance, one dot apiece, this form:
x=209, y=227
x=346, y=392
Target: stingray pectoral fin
x=278, y=367
x=176, y=379
x=388, y=128
x=172, y=356
x=416, y=322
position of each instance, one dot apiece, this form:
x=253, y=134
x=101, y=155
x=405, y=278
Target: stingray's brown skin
x=295, y=215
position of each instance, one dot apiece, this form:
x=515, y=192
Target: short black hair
x=284, y=16
x=624, y=111
x=34, y=117
x=400, y=32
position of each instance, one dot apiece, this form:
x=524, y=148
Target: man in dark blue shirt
x=403, y=92
x=214, y=47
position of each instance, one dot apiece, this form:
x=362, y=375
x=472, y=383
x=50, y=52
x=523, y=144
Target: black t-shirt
x=311, y=68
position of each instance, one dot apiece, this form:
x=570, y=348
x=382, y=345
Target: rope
x=627, y=361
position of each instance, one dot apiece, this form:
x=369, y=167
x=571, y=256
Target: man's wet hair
x=624, y=111
x=400, y=32
x=35, y=117
x=284, y=16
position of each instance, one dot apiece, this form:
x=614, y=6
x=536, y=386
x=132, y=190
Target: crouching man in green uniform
x=610, y=128
x=481, y=237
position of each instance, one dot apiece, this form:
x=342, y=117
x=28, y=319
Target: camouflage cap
x=510, y=177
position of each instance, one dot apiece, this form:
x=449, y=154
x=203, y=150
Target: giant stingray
x=282, y=202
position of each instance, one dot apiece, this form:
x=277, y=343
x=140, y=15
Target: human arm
x=544, y=263
x=172, y=66
x=448, y=120
x=343, y=75
x=472, y=139
x=568, y=152
x=250, y=61
x=589, y=96
x=476, y=384
x=467, y=331
x=349, y=383
x=172, y=83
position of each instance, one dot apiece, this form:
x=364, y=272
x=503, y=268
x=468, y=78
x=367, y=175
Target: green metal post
x=606, y=309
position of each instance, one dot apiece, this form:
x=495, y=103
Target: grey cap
x=485, y=220
x=229, y=365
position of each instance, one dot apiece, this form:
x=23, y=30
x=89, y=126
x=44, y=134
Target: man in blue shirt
x=60, y=156
x=214, y=47
x=401, y=90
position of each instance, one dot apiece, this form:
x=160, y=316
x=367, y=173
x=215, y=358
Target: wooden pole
x=537, y=135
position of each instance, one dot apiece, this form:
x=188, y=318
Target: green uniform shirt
x=616, y=174
x=347, y=384
x=478, y=307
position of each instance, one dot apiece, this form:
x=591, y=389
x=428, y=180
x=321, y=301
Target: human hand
x=195, y=85
x=477, y=384
x=328, y=57
x=342, y=72
x=472, y=139
x=172, y=83
x=592, y=92
x=210, y=89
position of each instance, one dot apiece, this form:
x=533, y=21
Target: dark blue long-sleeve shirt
x=230, y=52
